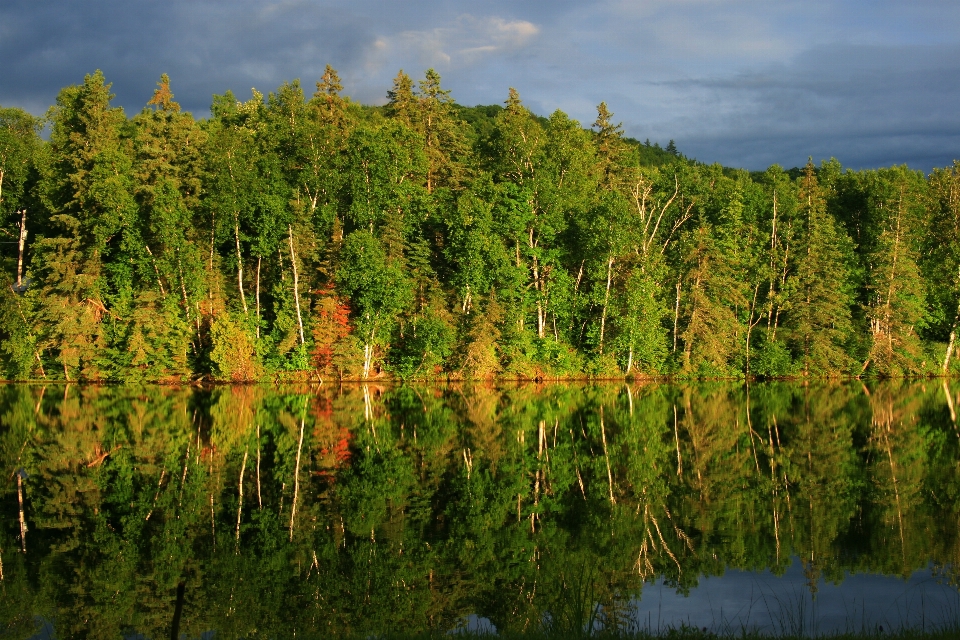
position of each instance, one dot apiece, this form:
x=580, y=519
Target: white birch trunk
x=236, y=236
x=23, y=241
x=296, y=284
x=606, y=302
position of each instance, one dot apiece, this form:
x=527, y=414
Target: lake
x=275, y=512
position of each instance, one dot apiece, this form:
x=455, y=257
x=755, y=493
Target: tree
x=167, y=166
x=941, y=268
x=401, y=102
x=89, y=260
x=819, y=319
x=896, y=308
x=19, y=143
x=377, y=288
x=609, y=142
x=428, y=111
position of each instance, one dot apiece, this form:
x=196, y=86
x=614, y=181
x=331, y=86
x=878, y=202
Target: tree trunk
x=296, y=285
x=750, y=325
x=236, y=236
x=183, y=288
x=606, y=301
x=676, y=314
x=153, y=260
x=23, y=240
x=953, y=337
x=771, y=292
x=259, y=260
x=950, y=344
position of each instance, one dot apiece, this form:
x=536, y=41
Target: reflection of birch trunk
x=296, y=482
x=156, y=496
x=539, y=474
x=243, y=468
x=883, y=417
x=183, y=479
x=606, y=456
x=213, y=523
x=773, y=487
x=950, y=405
x=259, y=497
x=676, y=438
x=23, y=521
x=576, y=466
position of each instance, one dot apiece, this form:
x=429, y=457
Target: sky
x=747, y=83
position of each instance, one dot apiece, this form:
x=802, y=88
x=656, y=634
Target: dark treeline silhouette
x=310, y=236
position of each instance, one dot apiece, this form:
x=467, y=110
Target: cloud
x=467, y=41
x=744, y=82
x=867, y=105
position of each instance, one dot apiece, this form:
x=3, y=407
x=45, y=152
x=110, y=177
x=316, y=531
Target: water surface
x=304, y=511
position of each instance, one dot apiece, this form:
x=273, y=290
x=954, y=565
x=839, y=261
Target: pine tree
x=401, y=103
x=819, y=320
x=896, y=308
x=167, y=166
x=609, y=144
x=90, y=258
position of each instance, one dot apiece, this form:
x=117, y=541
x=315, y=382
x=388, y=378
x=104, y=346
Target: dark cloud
x=868, y=106
x=744, y=82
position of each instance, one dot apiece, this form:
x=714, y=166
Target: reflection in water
x=274, y=512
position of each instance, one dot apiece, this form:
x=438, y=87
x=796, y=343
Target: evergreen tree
x=609, y=143
x=167, y=167
x=896, y=307
x=90, y=258
x=941, y=266
x=819, y=318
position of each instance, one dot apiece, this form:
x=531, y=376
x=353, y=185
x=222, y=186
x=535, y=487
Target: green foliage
x=232, y=352
x=427, y=239
x=773, y=360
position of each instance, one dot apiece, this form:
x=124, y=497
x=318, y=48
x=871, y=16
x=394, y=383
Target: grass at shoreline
x=686, y=633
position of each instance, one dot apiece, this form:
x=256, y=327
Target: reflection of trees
x=416, y=506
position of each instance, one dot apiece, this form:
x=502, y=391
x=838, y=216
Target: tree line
x=312, y=236
x=362, y=510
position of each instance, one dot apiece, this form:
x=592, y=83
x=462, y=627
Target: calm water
x=241, y=512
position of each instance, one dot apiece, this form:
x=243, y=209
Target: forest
x=304, y=237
